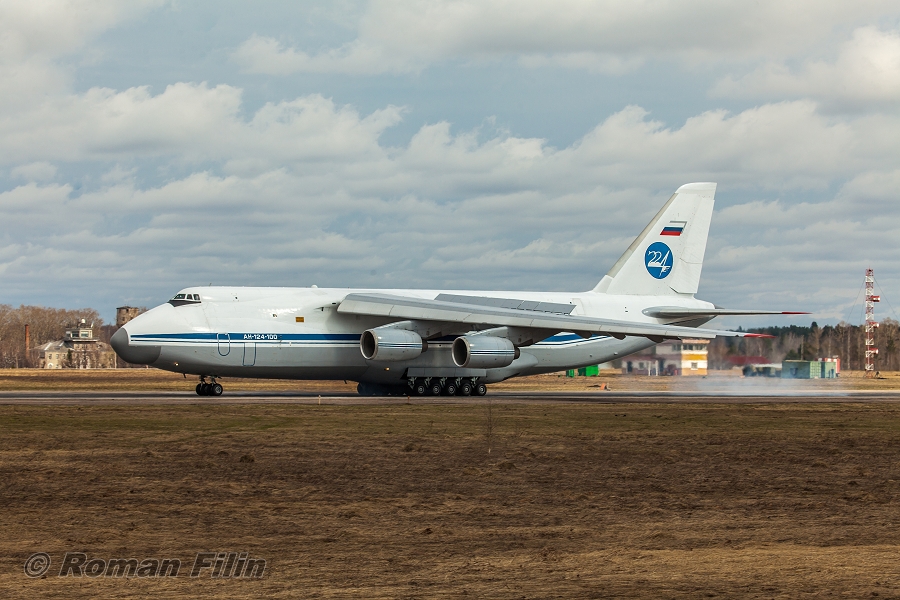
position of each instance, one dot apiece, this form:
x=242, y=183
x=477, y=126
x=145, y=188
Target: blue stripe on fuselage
x=247, y=337
x=566, y=338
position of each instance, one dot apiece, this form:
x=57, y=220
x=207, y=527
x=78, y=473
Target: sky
x=152, y=145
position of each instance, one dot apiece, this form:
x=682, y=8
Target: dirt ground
x=475, y=501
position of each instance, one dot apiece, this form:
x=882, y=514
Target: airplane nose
x=139, y=355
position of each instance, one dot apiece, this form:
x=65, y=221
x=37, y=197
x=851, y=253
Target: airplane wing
x=466, y=311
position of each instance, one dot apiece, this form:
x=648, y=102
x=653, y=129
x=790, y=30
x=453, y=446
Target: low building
x=78, y=349
x=824, y=368
x=755, y=366
x=675, y=357
x=53, y=355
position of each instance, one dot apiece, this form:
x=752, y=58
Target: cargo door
x=249, y=354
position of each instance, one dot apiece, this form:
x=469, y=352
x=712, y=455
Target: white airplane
x=440, y=342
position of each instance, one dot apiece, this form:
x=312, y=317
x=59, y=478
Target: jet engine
x=483, y=352
x=391, y=344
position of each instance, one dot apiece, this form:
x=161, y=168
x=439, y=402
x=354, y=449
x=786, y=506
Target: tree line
x=810, y=343
x=792, y=342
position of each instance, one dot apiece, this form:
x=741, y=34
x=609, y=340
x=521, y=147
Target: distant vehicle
x=439, y=342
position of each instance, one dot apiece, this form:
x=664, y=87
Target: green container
x=808, y=369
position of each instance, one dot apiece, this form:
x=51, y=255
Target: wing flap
x=675, y=312
x=405, y=307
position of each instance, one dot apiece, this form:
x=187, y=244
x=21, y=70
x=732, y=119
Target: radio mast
x=871, y=324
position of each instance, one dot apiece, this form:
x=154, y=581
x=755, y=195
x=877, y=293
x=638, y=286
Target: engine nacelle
x=483, y=352
x=391, y=344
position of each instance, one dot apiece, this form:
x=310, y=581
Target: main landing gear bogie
x=434, y=386
x=212, y=388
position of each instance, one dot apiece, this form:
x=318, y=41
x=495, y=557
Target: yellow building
x=674, y=357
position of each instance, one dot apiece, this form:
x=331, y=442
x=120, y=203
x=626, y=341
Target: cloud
x=53, y=28
x=37, y=171
x=138, y=190
x=866, y=72
x=34, y=35
x=266, y=55
x=193, y=122
x=304, y=191
x=605, y=35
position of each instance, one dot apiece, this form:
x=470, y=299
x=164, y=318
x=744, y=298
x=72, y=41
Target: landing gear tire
x=480, y=389
x=450, y=388
x=435, y=388
x=209, y=389
x=465, y=388
x=420, y=388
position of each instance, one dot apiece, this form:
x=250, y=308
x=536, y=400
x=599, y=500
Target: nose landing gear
x=211, y=388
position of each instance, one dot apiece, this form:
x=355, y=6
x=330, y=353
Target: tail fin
x=667, y=257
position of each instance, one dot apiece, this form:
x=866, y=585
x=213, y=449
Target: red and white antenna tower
x=871, y=324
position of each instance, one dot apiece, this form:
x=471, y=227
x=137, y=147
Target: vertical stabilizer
x=667, y=257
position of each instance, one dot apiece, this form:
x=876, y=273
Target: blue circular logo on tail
x=658, y=259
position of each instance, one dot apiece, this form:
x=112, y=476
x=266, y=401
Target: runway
x=148, y=398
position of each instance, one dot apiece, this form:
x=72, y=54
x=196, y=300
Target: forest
x=809, y=343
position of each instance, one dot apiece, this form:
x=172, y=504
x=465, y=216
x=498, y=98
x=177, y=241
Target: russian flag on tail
x=674, y=228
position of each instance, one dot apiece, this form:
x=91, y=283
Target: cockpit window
x=182, y=299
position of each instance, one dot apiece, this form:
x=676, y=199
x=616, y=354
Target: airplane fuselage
x=298, y=333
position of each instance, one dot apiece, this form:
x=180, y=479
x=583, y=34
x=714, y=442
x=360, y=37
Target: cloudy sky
x=150, y=145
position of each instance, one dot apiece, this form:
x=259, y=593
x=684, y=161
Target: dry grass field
x=459, y=501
